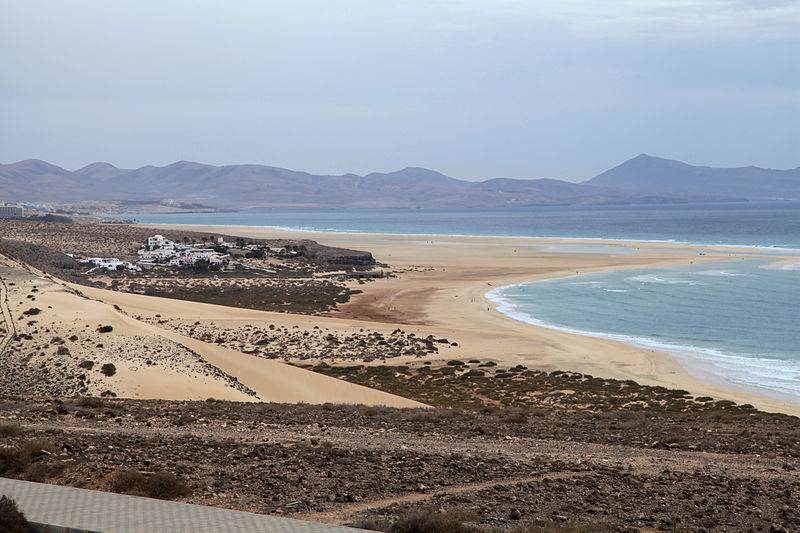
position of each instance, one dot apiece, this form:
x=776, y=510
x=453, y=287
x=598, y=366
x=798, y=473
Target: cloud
x=647, y=19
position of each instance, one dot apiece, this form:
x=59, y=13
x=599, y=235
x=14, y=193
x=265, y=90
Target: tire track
x=345, y=514
x=8, y=319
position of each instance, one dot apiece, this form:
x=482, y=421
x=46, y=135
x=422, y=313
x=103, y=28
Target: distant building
x=110, y=263
x=365, y=275
x=159, y=241
x=11, y=211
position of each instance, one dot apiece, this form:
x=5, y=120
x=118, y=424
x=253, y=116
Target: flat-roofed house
x=11, y=211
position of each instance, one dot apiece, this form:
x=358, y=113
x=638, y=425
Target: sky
x=475, y=89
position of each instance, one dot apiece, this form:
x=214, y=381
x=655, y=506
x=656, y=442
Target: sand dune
x=150, y=362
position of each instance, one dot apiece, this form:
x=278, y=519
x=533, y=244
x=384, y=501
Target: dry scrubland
x=557, y=469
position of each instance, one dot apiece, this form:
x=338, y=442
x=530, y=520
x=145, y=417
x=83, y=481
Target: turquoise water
x=736, y=321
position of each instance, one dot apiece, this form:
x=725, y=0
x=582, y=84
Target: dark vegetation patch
x=12, y=520
x=160, y=485
x=566, y=405
x=457, y=385
x=290, y=296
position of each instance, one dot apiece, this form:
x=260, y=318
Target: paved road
x=87, y=511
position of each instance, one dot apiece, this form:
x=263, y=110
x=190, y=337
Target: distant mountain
x=643, y=179
x=646, y=173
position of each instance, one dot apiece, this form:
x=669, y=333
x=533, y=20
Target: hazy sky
x=472, y=88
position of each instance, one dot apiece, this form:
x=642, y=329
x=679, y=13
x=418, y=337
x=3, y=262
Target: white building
x=11, y=211
x=160, y=242
x=110, y=263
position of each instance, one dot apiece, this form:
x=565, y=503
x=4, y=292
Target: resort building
x=11, y=211
x=110, y=263
x=159, y=242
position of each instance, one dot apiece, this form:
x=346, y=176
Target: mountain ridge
x=642, y=179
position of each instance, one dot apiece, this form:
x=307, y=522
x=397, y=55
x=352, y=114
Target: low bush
x=109, y=369
x=10, y=429
x=160, y=485
x=432, y=521
x=166, y=486
x=14, y=460
x=12, y=520
x=105, y=329
x=92, y=403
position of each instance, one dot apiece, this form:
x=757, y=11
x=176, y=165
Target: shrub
x=10, y=429
x=32, y=311
x=86, y=364
x=165, y=486
x=126, y=481
x=12, y=520
x=105, y=329
x=91, y=402
x=11, y=461
x=161, y=485
x=14, y=460
x=109, y=369
x=513, y=416
x=455, y=362
x=36, y=447
x=431, y=521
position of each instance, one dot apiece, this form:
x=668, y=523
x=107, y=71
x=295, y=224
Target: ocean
x=736, y=322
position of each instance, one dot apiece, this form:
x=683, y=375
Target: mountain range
x=643, y=179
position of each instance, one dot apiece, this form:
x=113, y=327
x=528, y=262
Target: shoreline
x=679, y=245
x=688, y=356
x=450, y=298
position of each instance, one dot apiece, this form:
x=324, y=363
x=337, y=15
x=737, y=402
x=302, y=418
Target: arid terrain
x=381, y=423
x=558, y=469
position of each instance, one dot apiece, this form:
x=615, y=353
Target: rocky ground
x=374, y=466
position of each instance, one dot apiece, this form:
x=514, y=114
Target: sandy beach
x=441, y=287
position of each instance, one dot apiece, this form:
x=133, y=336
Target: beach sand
x=441, y=287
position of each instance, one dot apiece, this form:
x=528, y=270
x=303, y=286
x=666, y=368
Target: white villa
x=110, y=263
x=162, y=251
x=160, y=242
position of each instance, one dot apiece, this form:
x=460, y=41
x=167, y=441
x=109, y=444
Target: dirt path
x=8, y=319
x=345, y=514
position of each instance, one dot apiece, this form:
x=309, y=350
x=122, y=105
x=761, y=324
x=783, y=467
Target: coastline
x=442, y=288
